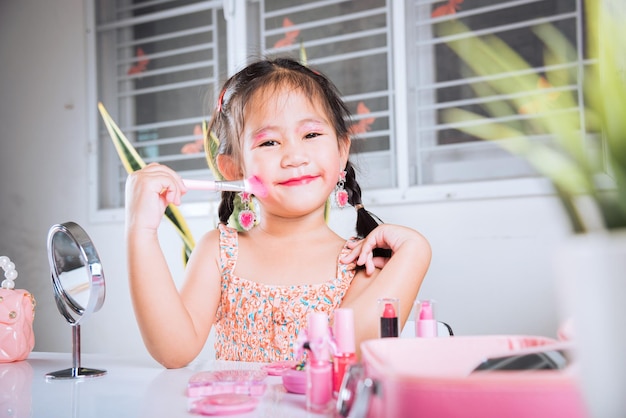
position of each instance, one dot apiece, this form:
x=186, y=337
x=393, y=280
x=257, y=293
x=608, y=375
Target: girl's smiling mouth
x=298, y=181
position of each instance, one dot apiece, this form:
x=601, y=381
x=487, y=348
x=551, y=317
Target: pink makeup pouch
x=435, y=377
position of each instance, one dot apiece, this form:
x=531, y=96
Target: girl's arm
x=397, y=277
x=166, y=318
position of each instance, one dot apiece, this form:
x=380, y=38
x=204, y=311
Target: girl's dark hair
x=228, y=119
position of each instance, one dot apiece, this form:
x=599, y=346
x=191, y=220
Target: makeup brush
x=252, y=185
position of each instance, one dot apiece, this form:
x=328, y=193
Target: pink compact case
x=241, y=382
x=224, y=404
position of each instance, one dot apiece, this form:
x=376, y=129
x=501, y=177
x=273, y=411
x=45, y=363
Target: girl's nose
x=294, y=154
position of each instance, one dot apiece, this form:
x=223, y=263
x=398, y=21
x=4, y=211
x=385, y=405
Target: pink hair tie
x=221, y=100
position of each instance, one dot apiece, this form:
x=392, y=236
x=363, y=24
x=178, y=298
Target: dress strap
x=229, y=248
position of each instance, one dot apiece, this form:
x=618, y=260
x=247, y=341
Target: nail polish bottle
x=343, y=332
x=388, y=309
x=319, y=383
x=425, y=323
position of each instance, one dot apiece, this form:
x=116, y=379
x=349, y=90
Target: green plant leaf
x=575, y=159
x=132, y=161
x=211, y=147
x=303, y=57
x=549, y=162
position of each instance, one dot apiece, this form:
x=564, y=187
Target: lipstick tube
x=388, y=309
x=425, y=322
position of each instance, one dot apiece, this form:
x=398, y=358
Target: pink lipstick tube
x=425, y=322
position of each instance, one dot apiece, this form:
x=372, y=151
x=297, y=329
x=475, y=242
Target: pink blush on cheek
x=256, y=186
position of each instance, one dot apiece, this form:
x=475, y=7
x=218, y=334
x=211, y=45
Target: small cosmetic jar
x=294, y=381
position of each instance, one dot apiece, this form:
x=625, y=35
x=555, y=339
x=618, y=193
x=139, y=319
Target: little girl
x=287, y=125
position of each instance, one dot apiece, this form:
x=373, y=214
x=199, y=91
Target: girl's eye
x=269, y=143
x=312, y=135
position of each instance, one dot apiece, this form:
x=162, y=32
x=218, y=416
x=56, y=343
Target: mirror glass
x=78, y=286
x=354, y=395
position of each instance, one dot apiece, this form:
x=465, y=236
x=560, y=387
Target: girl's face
x=290, y=144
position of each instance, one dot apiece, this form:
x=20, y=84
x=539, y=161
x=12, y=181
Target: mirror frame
x=73, y=312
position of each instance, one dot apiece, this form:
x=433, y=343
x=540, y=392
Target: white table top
x=130, y=388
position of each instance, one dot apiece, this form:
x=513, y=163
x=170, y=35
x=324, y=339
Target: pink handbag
x=17, y=312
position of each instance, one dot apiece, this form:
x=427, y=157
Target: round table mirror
x=78, y=286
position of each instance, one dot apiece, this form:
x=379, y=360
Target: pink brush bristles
x=255, y=186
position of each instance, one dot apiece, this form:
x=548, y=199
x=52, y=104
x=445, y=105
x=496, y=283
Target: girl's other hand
x=385, y=236
x=148, y=192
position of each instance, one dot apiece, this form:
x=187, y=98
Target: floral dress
x=260, y=322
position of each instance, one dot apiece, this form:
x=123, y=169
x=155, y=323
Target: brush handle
x=215, y=186
x=199, y=184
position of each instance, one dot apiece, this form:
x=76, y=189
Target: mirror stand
x=78, y=285
x=76, y=371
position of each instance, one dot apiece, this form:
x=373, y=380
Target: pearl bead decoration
x=10, y=273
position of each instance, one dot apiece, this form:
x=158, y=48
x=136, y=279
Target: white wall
x=491, y=268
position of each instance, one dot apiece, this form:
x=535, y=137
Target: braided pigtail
x=227, y=205
x=366, y=221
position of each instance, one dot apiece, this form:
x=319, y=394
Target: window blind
x=440, y=80
x=159, y=62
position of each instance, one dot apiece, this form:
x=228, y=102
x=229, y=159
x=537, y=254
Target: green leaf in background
x=211, y=146
x=520, y=105
x=303, y=57
x=132, y=161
